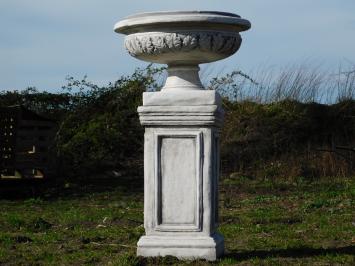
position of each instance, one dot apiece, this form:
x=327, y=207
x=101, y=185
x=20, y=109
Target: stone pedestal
x=182, y=123
x=181, y=168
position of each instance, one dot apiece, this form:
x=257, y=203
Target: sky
x=43, y=42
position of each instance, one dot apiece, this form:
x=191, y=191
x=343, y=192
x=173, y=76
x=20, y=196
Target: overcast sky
x=41, y=42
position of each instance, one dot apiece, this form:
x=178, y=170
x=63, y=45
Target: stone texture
x=164, y=46
x=181, y=167
x=176, y=98
x=209, y=248
x=182, y=126
x=182, y=37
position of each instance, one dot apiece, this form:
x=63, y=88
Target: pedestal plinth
x=181, y=168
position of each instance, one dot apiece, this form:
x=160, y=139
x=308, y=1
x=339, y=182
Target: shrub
x=103, y=132
x=272, y=126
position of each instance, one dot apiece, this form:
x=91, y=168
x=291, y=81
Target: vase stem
x=182, y=78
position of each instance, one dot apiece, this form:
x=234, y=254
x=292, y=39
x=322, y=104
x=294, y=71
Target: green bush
x=103, y=132
x=99, y=130
x=288, y=138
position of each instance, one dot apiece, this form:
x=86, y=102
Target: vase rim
x=148, y=21
x=182, y=12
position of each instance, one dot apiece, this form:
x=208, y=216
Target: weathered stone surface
x=163, y=46
x=176, y=98
x=182, y=124
x=182, y=37
x=208, y=247
x=181, y=167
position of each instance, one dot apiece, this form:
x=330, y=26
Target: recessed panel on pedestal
x=178, y=181
x=216, y=170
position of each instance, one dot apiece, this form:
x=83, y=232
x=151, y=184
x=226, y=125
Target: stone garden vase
x=182, y=127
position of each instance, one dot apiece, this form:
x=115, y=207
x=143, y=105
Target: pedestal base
x=209, y=248
x=181, y=169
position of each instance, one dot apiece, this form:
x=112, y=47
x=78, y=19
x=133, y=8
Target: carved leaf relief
x=170, y=42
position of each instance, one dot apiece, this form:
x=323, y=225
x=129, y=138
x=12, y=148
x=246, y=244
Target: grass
x=304, y=82
x=267, y=222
